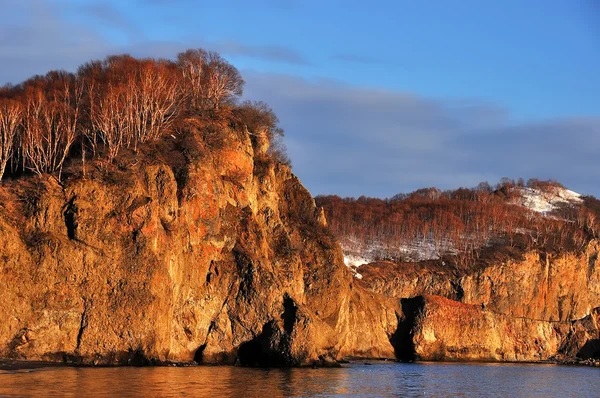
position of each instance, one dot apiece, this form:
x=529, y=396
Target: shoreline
x=17, y=365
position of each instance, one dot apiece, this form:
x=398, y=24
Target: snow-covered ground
x=426, y=249
x=355, y=261
x=547, y=200
x=357, y=254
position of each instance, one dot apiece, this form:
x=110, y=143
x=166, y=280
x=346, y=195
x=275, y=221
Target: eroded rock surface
x=202, y=250
x=436, y=328
x=538, y=285
x=553, y=287
x=196, y=251
x=532, y=307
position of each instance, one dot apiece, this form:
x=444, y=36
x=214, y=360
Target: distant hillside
x=457, y=225
x=509, y=272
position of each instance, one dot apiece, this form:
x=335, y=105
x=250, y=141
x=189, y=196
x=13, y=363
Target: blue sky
x=376, y=97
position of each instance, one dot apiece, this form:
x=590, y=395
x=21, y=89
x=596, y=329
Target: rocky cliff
x=436, y=328
x=560, y=286
x=202, y=248
x=198, y=249
x=533, y=306
x=536, y=284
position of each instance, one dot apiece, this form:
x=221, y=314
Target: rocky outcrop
x=436, y=328
x=201, y=248
x=197, y=250
x=536, y=284
x=533, y=306
x=546, y=286
x=409, y=279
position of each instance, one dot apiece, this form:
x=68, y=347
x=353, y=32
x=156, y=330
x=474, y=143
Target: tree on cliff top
x=263, y=126
x=122, y=102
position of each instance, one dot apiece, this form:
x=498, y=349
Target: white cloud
x=353, y=141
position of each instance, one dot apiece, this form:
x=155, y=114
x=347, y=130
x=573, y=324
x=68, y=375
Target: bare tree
x=10, y=115
x=120, y=102
x=89, y=76
x=192, y=65
x=32, y=141
x=110, y=119
x=223, y=82
x=155, y=102
x=68, y=99
x=50, y=121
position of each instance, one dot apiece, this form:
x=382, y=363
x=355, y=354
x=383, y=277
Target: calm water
x=377, y=379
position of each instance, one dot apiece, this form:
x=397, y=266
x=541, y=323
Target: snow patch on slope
x=547, y=200
x=357, y=253
x=355, y=261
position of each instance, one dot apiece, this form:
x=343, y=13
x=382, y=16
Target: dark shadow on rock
x=137, y=358
x=272, y=347
x=591, y=349
x=199, y=354
x=70, y=214
x=19, y=339
x=459, y=292
x=402, y=339
x=64, y=357
x=265, y=350
x=289, y=314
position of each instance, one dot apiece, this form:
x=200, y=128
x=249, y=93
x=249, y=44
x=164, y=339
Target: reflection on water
x=358, y=379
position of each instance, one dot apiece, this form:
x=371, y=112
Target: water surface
x=357, y=379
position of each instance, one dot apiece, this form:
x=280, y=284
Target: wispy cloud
x=270, y=53
x=109, y=16
x=358, y=141
x=38, y=36
x=39, y=39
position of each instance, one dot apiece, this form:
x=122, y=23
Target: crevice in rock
x=137, y=358
x=70, y=214
x=590, y=350
x=459, y=292
x=289, y=314
x=212, y=273
x=246, y=271
x=591, y=265
x=252, y=353
x=199, y=354
x=134, y=235
x=83, y=323
x=402, y=339
x=264, y=350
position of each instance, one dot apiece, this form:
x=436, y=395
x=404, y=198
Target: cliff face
x=541, y=286
x=197, y=251
x=436, y=328
x=404, y=280
x=201, y=249
x=538, y=285
x=536, y=307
